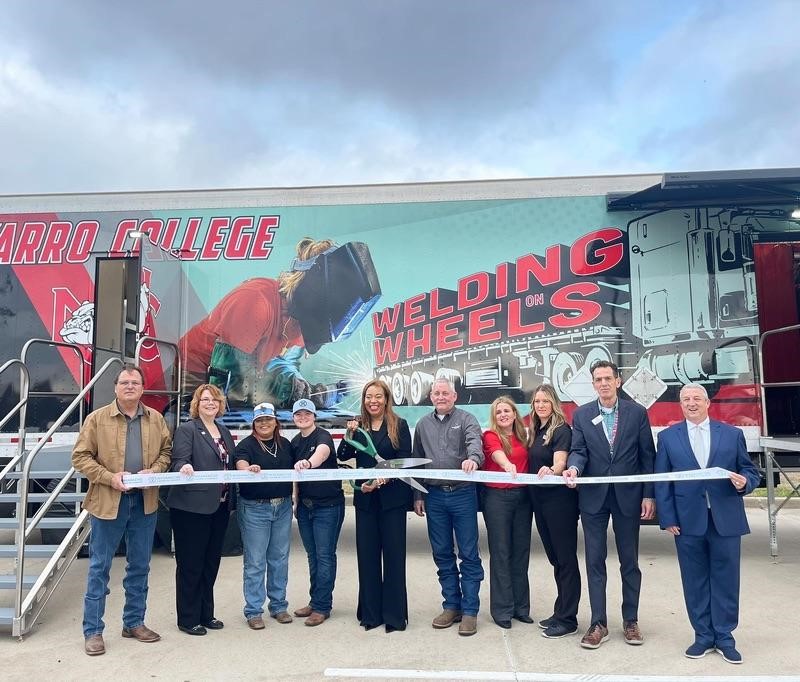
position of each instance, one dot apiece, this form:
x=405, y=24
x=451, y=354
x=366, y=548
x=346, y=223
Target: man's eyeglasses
x=129, y=383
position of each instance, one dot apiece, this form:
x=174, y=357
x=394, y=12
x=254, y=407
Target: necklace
x=273, y=451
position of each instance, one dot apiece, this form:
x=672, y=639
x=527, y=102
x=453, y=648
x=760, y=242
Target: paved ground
x=770, y=604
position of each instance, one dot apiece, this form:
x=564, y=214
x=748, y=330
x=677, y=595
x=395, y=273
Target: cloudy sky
x=159, y=94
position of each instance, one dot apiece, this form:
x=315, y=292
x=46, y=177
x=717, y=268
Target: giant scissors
x=381, y=463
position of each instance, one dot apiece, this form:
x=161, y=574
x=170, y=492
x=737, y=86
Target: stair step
x=31, y=551
x=41, y=497
x=9, y=581
x=46, y=522
x=6, y=615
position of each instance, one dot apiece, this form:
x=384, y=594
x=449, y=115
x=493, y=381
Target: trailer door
x=116, y=318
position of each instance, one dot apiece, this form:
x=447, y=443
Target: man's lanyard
x=611, y=433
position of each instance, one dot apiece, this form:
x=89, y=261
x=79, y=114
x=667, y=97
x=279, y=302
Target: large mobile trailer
x=276, y=294
x=498, y=285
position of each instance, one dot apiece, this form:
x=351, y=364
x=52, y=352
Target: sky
x=187, y=94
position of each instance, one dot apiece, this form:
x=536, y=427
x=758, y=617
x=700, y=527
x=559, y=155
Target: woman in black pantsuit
x=381, y=508
x=555, y=508
x=199, y=512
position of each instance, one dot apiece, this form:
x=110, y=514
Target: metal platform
x=785, y=443
x=781, y=457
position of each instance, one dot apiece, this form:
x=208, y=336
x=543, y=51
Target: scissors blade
x=404, y=463
x=401, y=462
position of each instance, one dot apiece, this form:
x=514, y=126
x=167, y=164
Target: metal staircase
x=38, y=567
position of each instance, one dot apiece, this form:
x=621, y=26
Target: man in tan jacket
x=120, y=438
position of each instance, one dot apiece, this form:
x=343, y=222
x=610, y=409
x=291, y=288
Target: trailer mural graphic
x=671, y=300
x=497, y=295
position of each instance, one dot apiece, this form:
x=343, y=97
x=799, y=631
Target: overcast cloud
x=99, y=96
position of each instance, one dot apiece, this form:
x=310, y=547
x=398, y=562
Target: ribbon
x=310, y=475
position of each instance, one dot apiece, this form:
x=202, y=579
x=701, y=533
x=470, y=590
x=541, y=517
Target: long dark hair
x=389, y=416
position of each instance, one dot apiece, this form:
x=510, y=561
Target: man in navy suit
x=611, y=437
x=707, y=519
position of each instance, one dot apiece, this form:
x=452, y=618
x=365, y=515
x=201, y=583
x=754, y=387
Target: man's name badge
x=597, y=419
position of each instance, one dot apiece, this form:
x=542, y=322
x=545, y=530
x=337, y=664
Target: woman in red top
x=507, y=514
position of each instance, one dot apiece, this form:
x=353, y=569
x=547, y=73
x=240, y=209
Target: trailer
x=500, y=286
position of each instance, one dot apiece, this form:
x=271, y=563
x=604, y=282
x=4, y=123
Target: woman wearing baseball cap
x=320, y=511
x=265, y=519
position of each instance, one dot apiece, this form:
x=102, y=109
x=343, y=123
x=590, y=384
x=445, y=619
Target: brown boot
x=141, y=633
x=255, y=623
x=303, y=612
x=469, y=626
x=94, y=645
x=316, y=618
x=446, y=618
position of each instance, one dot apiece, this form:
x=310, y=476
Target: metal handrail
x=24, y=390
x=769, y=460
x=775, y=384
x=81, y=366
x=170, y=392
x=25, y=528
x=52, y=563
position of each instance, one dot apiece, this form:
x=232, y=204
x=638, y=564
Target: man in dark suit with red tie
x=612, y=437
x=707, y=518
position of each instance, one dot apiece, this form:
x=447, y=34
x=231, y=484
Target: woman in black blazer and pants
x=381, y=508
x=199, y=512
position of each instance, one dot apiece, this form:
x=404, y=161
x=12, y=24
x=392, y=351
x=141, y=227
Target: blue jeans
x=266, y=534
x=319, y=530
x=450, y=512
x=138, y=529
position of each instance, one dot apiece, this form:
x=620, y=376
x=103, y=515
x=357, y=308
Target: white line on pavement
x=399, y=673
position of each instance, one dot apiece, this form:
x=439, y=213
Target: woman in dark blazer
x=381, y=507
x=199, y=512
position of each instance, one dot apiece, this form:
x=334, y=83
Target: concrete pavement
x=766, y=637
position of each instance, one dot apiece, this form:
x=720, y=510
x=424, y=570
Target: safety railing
x=26, y=527
x=174, y=393
x=24, y=390
x=75, y=348
x=773, y=384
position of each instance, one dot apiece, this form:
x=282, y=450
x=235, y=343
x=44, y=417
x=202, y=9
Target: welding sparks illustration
x=354, y=369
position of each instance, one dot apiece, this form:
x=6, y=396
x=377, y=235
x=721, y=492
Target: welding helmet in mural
x=339, y=288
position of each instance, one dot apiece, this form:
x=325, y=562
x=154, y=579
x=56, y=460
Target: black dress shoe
x=392, y=628
x=214, y=624
x=194, y=630
x=524, y=619
x=368, y=627
x=505, y=624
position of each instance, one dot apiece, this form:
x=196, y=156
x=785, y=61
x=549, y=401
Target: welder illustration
x=252, y=342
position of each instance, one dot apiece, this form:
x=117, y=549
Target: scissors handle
x=368, y=449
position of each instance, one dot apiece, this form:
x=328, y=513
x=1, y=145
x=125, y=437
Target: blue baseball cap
x=304, y=404
x=263, y=410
